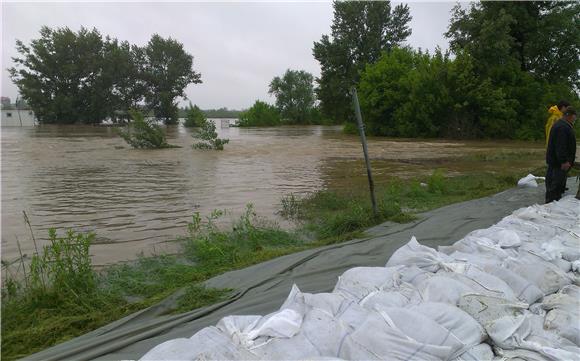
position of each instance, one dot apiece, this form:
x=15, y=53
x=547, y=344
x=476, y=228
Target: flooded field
x=86, y=178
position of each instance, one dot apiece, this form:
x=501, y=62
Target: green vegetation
x=81, y=77
x=294, y=93
x=491, y=88
x=61, y=296
x=332, y=216
x=194, y=117
x=261, y=114
x=144, y=134
x=208, y=137
x=506, y=67
x=361, y=31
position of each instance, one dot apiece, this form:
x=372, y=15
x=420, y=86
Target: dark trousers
x=555, y=183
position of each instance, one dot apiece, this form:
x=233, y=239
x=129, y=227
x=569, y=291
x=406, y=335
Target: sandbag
x=320, y=336
x=360, y=281
x=443, y=289
x=415, y=254
x=478, y=352
x=207, y=344
x=376, y=340
x=461, y=324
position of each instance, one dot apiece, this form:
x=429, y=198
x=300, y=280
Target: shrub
x=259, y=115
x=208, y=137
x=144, y=134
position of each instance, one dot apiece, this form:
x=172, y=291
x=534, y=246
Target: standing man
x=560, y=155
x=556, y=112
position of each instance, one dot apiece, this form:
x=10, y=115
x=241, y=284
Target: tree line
x=82, y=77
x=507, y=63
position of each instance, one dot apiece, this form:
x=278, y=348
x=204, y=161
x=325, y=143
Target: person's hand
x=566, y=166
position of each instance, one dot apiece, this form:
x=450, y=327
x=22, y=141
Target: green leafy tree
x=261, y=114
x=360, y=32
x=540, y=37
x=144, y=134
x=60, y=76
x=294, y=93
x=194, y=117
x=167, y=70
x=208, y=137
x=523, y=55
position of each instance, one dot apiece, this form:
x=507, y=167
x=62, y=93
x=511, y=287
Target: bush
x=208, y=137
x=144, y=134
x=194, y=117
x=261, y=114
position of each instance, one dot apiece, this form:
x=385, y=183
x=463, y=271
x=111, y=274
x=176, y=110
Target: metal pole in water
x=363, y=139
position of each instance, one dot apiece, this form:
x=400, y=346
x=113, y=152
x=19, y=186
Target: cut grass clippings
x=40, y=312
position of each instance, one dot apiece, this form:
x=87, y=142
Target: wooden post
x=363, y=139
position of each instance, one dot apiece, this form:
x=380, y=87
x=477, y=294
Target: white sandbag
x=571, y=290
x=529, y=181
x=376, y=340
x=548, y=277
x=475, y=258
x=422, y=329
x=238, y=327
x=207, y=344
x=443, y=289
x=320, y=336
x=360, y=281
x=526, y=331
x=523, y=289
x=518, y=355
x=486, y=309
x=423, y=257
x=404, y=295
x=478, y=352
x=565, y=324
x=281, y=324
x=304, y=302
x=480, y=282
x=413, y=274
x=461, y=324
x=562, y=301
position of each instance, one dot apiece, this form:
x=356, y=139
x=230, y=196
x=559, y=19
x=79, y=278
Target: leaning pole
x=363, y=139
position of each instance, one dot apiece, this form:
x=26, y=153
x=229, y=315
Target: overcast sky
x=238, y=47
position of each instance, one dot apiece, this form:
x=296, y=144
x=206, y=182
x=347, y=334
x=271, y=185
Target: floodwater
x=139, y=201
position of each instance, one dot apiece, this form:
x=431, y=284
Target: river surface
x=139, y=201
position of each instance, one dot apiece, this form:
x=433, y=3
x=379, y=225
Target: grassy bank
x=61, y=296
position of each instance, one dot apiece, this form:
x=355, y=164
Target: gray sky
x=238, y=47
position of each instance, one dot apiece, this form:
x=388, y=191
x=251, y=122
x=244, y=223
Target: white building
x=18, y=118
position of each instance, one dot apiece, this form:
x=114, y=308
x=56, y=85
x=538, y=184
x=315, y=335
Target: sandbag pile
x=508, y=292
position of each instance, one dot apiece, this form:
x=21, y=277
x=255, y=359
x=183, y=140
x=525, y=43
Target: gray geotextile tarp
x=262, y=288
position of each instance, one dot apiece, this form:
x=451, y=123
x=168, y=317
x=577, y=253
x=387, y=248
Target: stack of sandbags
x=508, y=292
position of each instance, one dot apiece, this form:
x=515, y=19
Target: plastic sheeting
x=427, y=304
x=262, y=288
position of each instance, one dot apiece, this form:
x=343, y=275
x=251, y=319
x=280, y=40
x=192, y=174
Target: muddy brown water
x=139, y=201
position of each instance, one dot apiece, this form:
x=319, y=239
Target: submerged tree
x=80, y=77
x=144, y=134
x=194, y=117
x=167, y=72
x=208, y=137
x=261, y=114
x=360, y=32
x=295, y=98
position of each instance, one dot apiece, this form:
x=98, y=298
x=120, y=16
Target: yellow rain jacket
x=555, y=115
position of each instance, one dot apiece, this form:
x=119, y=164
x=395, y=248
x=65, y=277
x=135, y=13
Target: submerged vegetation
x=60, y=296
x=144, y=134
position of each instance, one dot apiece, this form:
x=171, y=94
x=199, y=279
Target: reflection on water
x=137, y=200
